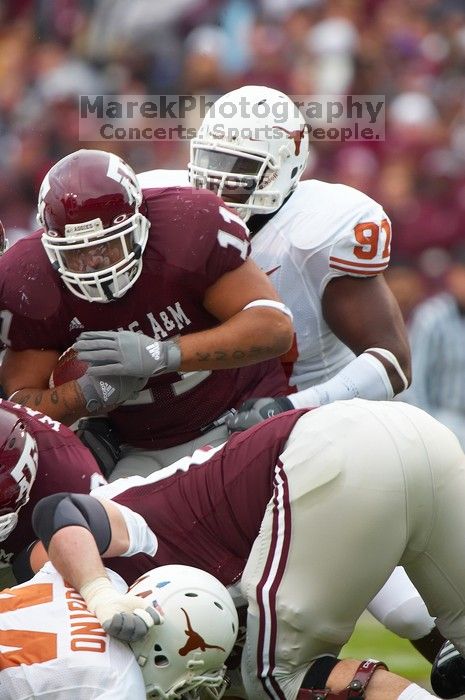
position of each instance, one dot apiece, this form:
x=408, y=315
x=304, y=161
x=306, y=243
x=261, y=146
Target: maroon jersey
x=192, y=243
x=64, y=465
x=209, y=514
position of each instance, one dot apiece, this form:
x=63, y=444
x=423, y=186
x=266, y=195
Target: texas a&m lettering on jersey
x=41, y=417
x=173, y=318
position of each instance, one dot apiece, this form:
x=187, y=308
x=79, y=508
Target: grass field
x=371, y=640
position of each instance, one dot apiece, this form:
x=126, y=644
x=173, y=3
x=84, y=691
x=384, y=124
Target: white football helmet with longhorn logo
x=251, y=149
x=185, y=655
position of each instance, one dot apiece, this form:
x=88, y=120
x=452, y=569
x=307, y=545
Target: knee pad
x=319, y=671
x=60, y=510
x=410, y=620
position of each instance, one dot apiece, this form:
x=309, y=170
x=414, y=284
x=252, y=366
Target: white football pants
x=361, y=487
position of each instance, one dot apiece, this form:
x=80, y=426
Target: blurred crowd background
x=412, y=51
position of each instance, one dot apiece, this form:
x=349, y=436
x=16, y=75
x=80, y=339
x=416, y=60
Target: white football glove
x=124, y=616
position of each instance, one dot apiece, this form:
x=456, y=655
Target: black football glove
x=448, y=672
x=101, y=438
x=255, y=411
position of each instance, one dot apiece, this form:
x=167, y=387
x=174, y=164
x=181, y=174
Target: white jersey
x=52, y=647
x=324, y=230
x=163, y=178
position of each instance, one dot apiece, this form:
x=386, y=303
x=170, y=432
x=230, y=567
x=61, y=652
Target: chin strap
x=354, y=691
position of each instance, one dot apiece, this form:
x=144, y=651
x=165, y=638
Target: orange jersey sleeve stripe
x=350, y=263
x=360, y=271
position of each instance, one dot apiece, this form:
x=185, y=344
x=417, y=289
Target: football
x=67, y=369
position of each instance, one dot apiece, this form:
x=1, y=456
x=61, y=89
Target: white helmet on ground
x=186, y=654
x=251, y=149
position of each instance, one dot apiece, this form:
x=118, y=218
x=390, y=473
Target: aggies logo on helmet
x=25, y=470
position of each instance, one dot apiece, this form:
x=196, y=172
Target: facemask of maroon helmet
x=94, y=233
x=18, y=469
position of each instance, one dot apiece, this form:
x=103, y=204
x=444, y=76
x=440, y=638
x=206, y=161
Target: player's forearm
x=251, y=336
x=75, y=550
x=64, y=403
x=366, y=377
x=74, y=553
x=75, y=530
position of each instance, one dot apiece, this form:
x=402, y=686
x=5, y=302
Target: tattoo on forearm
x=256, y=352
x=37, y=398
x=21, y=397
x=77, y=399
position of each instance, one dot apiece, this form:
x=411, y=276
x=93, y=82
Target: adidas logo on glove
x=154, y=350
x=107, y=390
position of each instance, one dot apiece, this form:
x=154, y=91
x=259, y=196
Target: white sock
x=414, y=692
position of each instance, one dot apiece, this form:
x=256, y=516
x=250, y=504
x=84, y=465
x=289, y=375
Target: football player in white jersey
x=324, y=247
x=52, y=646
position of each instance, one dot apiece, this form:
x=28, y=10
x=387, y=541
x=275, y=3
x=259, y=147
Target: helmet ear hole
x=294, y=172
x=161, y=661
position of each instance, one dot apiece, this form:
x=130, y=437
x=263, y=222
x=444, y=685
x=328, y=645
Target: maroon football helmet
x=18, y=468
x=94, y=233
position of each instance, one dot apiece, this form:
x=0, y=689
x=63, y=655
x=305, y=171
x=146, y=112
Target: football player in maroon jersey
x=158, y=288
x=38, y=456
x=282, y=510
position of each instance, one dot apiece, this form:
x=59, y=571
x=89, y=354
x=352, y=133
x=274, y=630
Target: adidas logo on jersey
x=75, y=324
x=107, y=390
x=154, y=350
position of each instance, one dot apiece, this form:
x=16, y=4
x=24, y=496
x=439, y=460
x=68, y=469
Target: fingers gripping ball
x=100, y=393
x=67, y=369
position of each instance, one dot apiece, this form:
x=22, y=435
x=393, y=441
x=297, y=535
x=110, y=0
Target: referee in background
x=437, y=339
